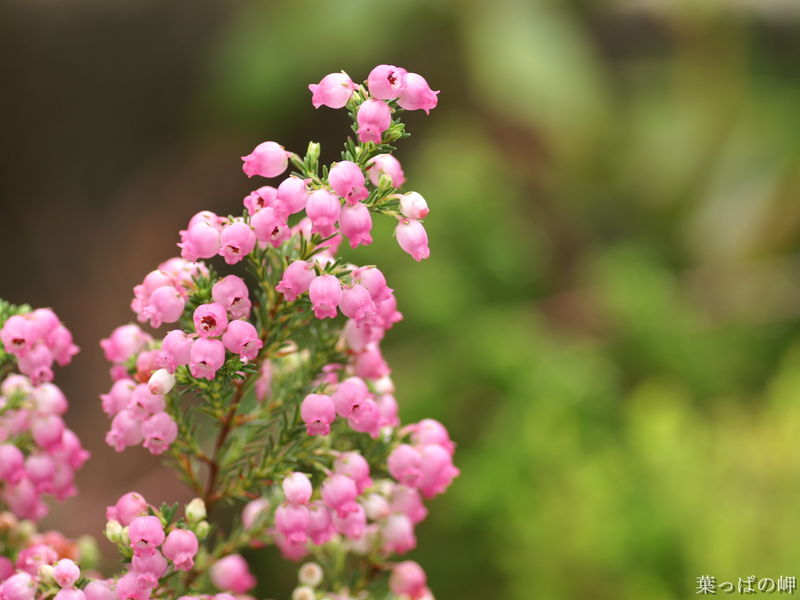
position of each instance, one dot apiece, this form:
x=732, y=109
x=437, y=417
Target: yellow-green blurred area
x=609, y=323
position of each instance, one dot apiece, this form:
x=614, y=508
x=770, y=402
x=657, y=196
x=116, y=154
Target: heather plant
x=267, y=393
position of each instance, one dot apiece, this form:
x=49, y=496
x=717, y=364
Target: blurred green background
x=610, y=320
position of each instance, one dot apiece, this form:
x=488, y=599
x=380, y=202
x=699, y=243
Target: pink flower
x=398, y=534
x=231, y=292
x=146, y=534
x=66, y=573
x=175, y=349
x=318, y=412
x=365, y=417
x=325, y=292
x=356, y=303
x=373, y=279
x=210, y=320
x=296, y=279
x=374, y=117
x=269, y=226
x=268, y=159
x=292, y=196
x=405, y=465
x=231, y=573
x=355, y=224
x=70, y=594
x=297, y=488
x=387, y=407
x=385, y=164
x=323, y=209
x=17, y=335
x=253, y=511
x=413, y=205
x=370, y=364
x=339, y=494
x=437, y=471
x=408, y=578
x=159, y=432
x=199, y=241
x=144, y=403
x=149, y=569
x=347, y=180
x=124, y=342
x=334, y=90
x=32, y=558
x=242, y=338
x=352, y=523
x=206, y=357
x=412, y=238
x=181, y=547
x=407, y=500
x=126, y=430
x=260, y=198
x=128, y=507
x=98, y=590
x=60, y=342
x=36, y=363
x=47, y=431
x=430, y=431
x=385, y=82
x=355, y=466
x=320, y=526
x=349, y=394
x=12, y=462
x=417, y=94
x=129, y=587
x=18, y=587
x=237, y=240
x=292, y=521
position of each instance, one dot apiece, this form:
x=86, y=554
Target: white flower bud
x=161, y=382
x=195, y=511
x=310, y=574
x=113, y=531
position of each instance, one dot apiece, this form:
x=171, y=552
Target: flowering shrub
x=258, y=393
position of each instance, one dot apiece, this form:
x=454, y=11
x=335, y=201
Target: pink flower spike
x=412, y=238
x=146, y=534
x=318, y=412
x=296, y=280
x=242, y=338
x=323, y=208
x=355, y=223
x=417, y=94
x=374, y=117
x=413, y=205
x=347, y=180
x=325, y=292
x=206, y=357
x=159, y=432
x=181, y=547
x=334, y=90
x=268, y=159
x=237, y=240
x=386, y=82
x=385, y=164
x=210, y=320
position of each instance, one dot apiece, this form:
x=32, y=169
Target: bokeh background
x=610, y=319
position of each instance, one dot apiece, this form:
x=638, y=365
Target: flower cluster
x=38, y=453
x=267, y=389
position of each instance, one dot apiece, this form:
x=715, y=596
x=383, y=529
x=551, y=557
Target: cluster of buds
x=38, y=453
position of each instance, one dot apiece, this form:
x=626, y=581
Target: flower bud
x=195, y=511
x=161, y=382
x=202, y=529
x=113, y=532
x=310, y=574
